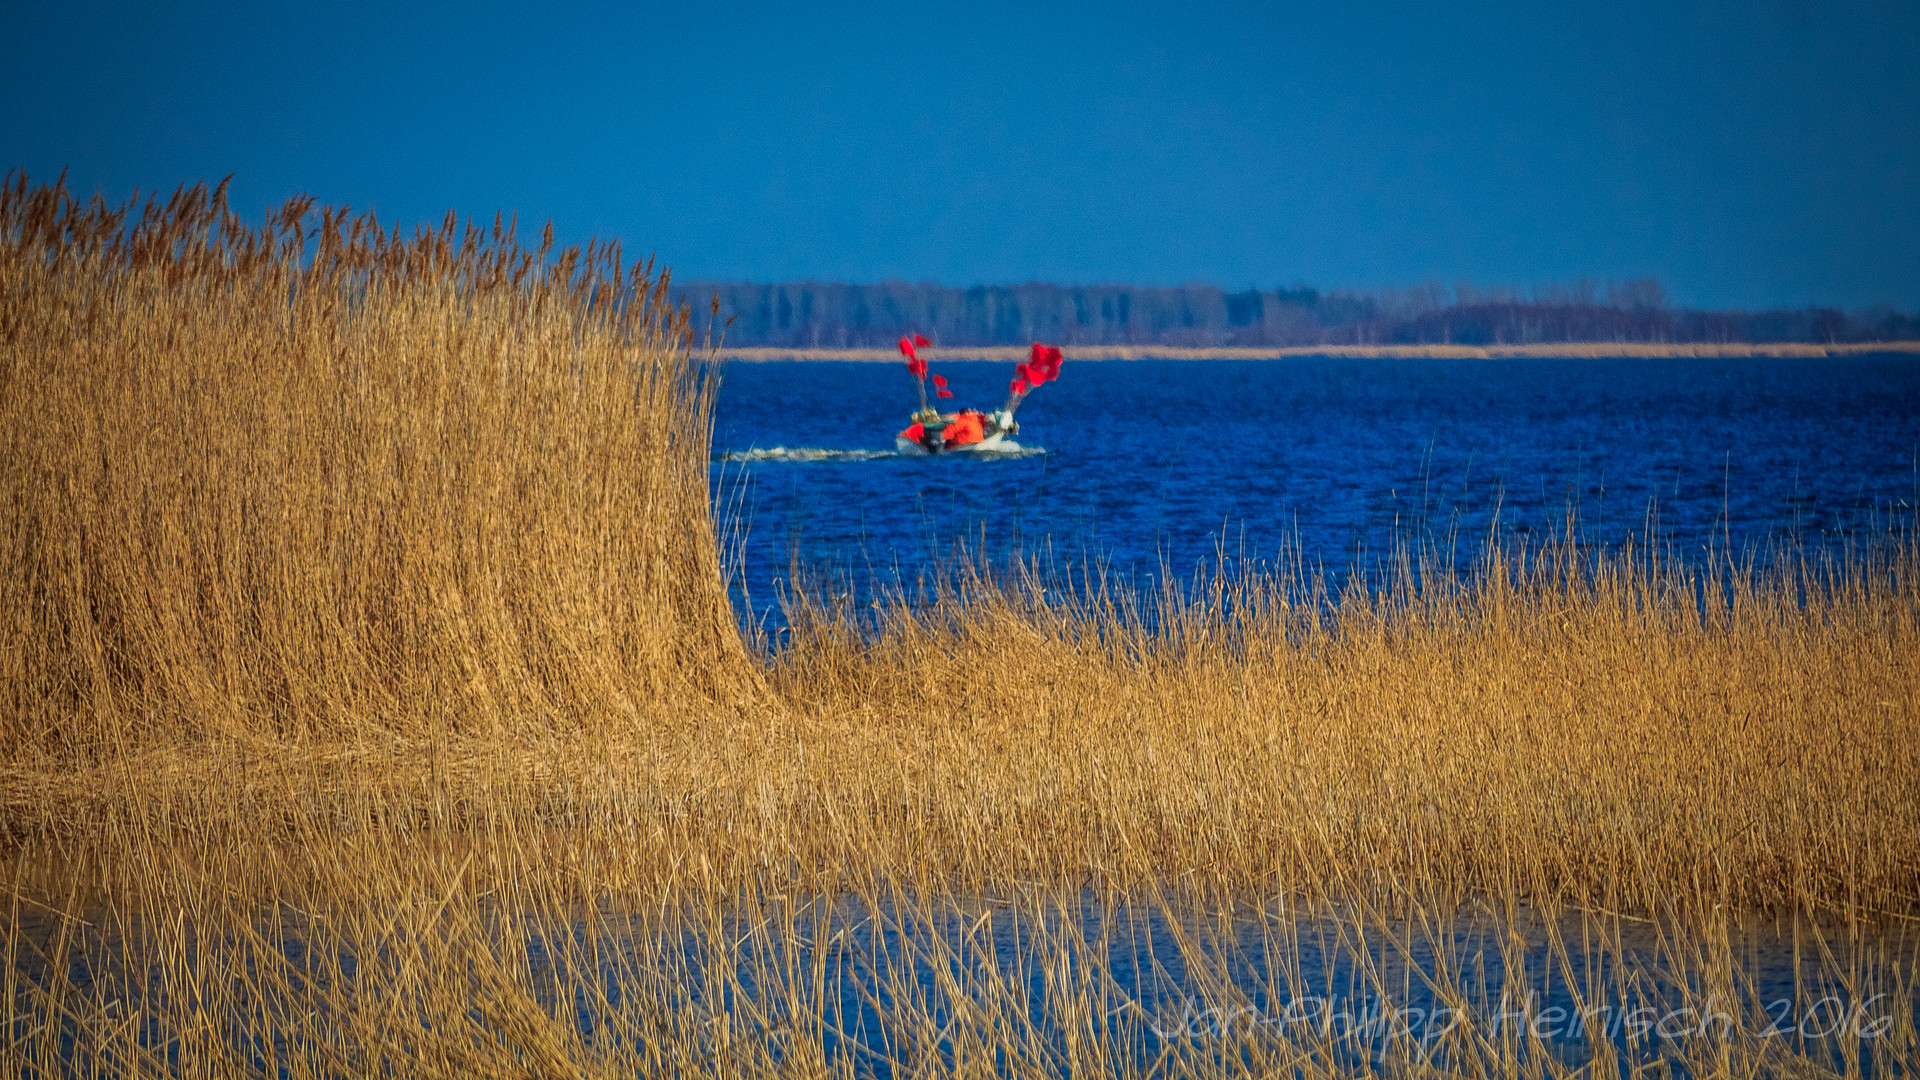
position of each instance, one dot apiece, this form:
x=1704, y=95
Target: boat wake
x=814, y=453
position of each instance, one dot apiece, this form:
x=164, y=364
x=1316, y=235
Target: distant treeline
x=825, y=315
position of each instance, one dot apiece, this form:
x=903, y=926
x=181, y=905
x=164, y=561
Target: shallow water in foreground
x=895, y=984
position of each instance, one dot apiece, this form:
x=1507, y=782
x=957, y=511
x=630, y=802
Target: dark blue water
x=1154, y=463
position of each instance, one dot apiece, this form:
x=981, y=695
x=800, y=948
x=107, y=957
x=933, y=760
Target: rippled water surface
x=1140, y=462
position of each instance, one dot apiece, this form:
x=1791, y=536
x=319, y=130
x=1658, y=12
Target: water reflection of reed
x=445, y=961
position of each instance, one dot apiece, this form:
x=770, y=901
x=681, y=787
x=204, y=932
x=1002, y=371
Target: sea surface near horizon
x=1156, y=466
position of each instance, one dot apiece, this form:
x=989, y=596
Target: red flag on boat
x=1043, y=363
x=1042, y=367
x=940, y=387
x=910, y=348
x=920, y=342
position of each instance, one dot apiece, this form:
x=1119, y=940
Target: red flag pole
x=917, y=368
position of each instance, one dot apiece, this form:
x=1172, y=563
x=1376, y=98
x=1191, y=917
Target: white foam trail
x=807, y=453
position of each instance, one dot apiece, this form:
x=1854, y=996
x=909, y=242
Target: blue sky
x=1751, y=154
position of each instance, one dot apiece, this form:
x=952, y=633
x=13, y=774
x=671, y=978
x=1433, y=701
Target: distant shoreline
x=1575, y=350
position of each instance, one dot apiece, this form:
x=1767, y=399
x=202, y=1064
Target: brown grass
x=366, y=591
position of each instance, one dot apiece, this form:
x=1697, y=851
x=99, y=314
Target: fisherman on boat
x=969, y=430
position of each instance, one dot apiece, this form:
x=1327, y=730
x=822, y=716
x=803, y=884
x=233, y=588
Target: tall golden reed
x=316, y=480
x=1629, y=731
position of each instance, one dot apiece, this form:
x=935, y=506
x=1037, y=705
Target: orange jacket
x=964, y=429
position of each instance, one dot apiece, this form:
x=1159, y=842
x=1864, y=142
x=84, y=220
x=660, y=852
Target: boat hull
x=995, y=443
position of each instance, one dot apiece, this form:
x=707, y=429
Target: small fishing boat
x=970, y=431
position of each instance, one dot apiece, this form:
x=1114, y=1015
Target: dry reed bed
x=365, y=591
x=1588, y=726
x=1577, y=730
x=313, y=523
